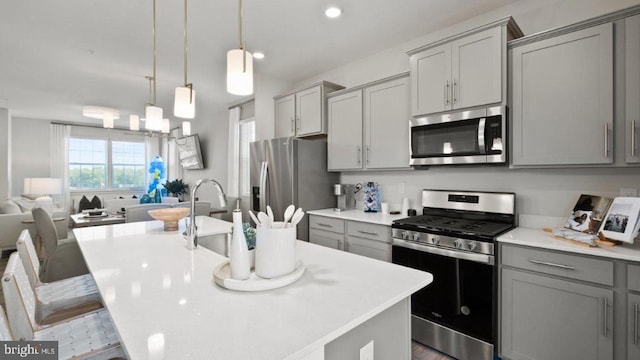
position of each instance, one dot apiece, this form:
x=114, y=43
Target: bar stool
x=66, y=295
x=88, y=336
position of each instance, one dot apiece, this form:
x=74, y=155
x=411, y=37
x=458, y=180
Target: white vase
x=239, y=253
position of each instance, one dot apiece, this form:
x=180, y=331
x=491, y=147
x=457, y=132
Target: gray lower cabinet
x=633, y=329
x=370, y=240
x=549, y=318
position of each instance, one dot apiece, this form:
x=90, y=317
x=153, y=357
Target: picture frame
x=587, y=214
x=621, y=222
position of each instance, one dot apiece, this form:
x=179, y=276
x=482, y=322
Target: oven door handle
x=479, y=258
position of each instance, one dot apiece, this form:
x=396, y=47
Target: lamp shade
x=107, y=121
x=184, y=105
x=239, y=82
x=43, y=186
x=134, y=122
x=153, y=117
x=186, y=128
x=165, y=128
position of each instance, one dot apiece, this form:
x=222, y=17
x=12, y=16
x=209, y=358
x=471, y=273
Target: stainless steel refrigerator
x=291, y=171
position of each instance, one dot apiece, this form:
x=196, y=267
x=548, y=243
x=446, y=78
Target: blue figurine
x=157, y=170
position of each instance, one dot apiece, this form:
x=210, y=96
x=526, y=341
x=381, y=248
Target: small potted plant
x=176, y=188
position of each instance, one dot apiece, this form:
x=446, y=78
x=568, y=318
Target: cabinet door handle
x=568, y=267
x=346, y=245
x=606, y=140
x=446, y=93
x=359, y=155
x=368, y=154
x=604, y=326
x=633, y=138
x=635, y=324
x=325, y=225
x=298, y=124
x=340, y=245
x=293, y=130
x=455, y=91
x=368, y=233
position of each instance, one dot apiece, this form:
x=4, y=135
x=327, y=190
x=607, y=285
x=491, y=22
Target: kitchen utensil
x=264, y=219
x=288, y=213
x=297, y=216
x=254, y=218
x=270, y=214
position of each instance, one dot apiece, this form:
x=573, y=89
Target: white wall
x=30, y=145
x=5, y=154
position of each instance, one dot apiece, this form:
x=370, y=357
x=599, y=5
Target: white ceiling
x=57, y=56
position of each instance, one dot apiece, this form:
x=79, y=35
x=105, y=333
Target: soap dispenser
x=239, y=252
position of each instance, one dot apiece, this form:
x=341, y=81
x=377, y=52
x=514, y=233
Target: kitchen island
x=165, y=305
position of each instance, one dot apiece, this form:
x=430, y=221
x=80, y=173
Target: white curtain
x=59, y=159
x=233, y=165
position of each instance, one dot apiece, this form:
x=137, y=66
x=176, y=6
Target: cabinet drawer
x=326, y=238
x=369, y=231
x=633, y=277
x=369, y=248
x=326, y=223
x=570, y=266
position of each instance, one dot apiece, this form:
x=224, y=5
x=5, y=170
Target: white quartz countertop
x=540, y=239
x=211, y=226
x=358, y=215
x=165, y=305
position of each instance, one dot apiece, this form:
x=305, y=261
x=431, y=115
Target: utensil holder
x=275, y=250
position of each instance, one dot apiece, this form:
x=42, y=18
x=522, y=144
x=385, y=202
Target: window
x=247, y=134
x=101, y=164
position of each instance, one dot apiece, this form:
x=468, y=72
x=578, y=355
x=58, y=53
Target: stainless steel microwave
x=467, y=137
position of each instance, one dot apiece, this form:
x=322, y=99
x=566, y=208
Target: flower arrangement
x=176, y=187
x=250, y=235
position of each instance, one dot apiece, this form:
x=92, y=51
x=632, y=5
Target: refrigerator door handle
x=266, y=196
x=263, y=183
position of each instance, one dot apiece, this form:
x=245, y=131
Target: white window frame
x=244, y=163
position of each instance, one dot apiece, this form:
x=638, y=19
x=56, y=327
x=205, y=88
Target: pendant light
x=153, y=113
x=134, y=122
x=239, y=65
x=184, y=105
x=186, y=128
x=165, y=126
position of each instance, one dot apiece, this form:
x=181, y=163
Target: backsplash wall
x=544, y=192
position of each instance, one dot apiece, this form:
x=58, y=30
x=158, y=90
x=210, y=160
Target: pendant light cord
x=241, y=43
x=154, y=52
x=185, y=44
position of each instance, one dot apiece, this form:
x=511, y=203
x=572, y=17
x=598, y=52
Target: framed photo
x=588, y=213
x=621, y=222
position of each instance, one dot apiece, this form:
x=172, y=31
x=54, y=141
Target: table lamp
x=42, y=186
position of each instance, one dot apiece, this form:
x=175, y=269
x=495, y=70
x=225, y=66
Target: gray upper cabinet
x=369, y=126
x=463, y=71
x=302, y=113
x=632, y=103
x=344, y=146
x=548, y=318
x=562, y=106
x=285, y=119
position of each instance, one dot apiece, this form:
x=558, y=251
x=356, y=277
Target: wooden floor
x=421, y=352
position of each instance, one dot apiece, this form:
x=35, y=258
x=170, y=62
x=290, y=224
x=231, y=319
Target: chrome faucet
x=192, y=231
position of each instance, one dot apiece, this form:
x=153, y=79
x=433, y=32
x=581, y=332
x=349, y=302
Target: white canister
x=405, y=206
x=384, y=208
x=275, y=250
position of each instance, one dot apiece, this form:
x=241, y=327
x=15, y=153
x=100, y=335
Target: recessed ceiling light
x=333, y=12
x=258, y=55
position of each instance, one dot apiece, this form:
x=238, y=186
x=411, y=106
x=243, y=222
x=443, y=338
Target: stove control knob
x=435, y=240
x=473, y=245
x=458, y=243
x=405, y=235
x=416, y=236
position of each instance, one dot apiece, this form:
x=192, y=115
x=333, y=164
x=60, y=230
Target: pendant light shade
x=186, y=128
x=239, y=65
x=107, y=120
x=134, y=122
x=239, y=74
x=153, y=117
x=165, y=126
x=185, y=103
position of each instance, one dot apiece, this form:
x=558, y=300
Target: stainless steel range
x=454, y=240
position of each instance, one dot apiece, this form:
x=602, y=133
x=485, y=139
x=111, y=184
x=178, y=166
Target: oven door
x=475, y=136
x=461, y=294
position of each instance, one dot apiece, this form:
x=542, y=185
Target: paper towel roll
x=405, y=206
